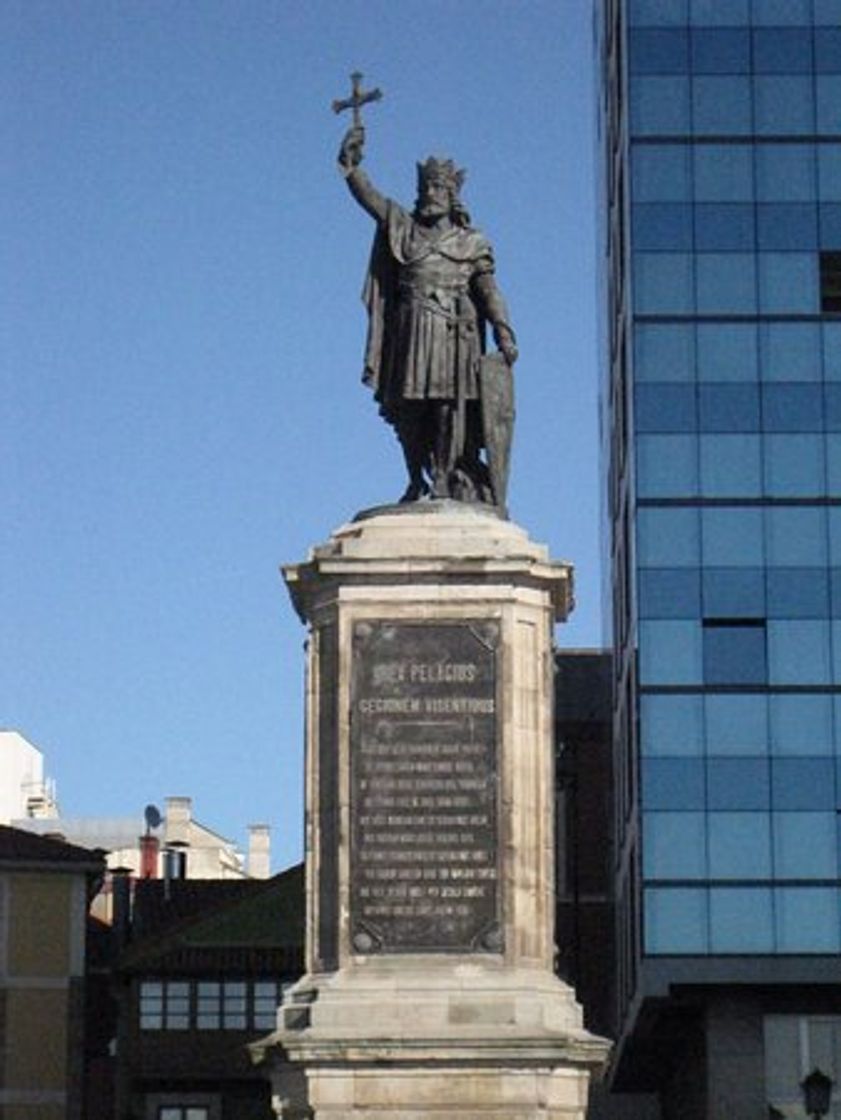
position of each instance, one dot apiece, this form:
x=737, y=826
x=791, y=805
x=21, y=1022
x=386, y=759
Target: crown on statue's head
x=444, y=170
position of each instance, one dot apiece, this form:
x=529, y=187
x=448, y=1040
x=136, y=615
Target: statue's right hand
x=350, y=153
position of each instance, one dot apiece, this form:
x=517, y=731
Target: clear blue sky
x=181, y=352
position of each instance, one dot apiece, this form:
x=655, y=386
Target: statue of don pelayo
x=430, y=292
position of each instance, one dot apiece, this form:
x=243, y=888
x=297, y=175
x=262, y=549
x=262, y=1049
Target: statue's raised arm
x=359, y=185
x=430, y=291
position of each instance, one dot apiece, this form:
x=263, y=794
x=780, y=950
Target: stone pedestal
x=429, y=992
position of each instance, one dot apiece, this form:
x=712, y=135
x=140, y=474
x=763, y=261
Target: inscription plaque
x=424, y=800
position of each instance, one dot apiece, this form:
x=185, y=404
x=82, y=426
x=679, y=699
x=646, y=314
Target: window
x=727, y=352
x=183, y=1112
x=736, y=724
x=734, y=593
x=671, y=725
x=734, y=651
x=669, y=593
x=165, y=1005
x=221, y=1005
x=209, y=1004
x=268, y=995
x=831, y=283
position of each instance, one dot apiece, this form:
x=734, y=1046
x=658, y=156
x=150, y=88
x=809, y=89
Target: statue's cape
x=395, y=244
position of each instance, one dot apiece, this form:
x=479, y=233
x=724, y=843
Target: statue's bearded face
x=435, y=199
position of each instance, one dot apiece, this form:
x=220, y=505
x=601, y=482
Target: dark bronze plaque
x=424, y=834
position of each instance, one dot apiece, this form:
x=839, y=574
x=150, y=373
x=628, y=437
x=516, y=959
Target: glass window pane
x=660, y=106
x=805, y=846
x=741, y=920
x=730, y=466
x=723, y=173
x=740, y=846
x=829, y=172
x=658, y=13
x=725, y=227
x=734, y=593
x=803, y=784
x=675, y=920
x=659, y=51
x=737, y=724
x=833, y=463
x=832, y=351
x=673, y=783
x=661, y=173
x=669, y=593
x=784, y=105
x=738, y=783
x=796, y=537
x=674, y=846
x=664, y=352
x=729, y=408
x=777, y=13
x=734, y=653
x=792, y=408
x=668, y=538
x=798, y=652
x=732, y=538
x=667, y=466
x=665, y=407
x=788, y=283
x=794, y=465
x=829, y=104
x=727, y=352
x=828, y=12
x=782, y=50
x=830, y=226
x=828, y=50
x=665, y=225
x=720, y=51
x=790, y=351
x=670, y=652
x=719, y=13
x=785, y=172
x=726, y=283
x=807, y=920
x=721, y=106
x=663, y=283
x=832, y=407
x=787, y=226
x=798, y=593
x=671, y=725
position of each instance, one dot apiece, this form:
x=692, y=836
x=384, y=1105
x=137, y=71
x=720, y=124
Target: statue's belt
x=462, y=312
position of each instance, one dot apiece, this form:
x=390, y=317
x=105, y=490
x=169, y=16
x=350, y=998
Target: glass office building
x=721, y=138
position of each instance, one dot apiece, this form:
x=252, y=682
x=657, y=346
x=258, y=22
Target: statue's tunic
x=426, y=334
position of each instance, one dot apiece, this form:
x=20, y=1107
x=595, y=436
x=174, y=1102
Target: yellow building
x=45, y=887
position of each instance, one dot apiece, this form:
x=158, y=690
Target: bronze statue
x=430, y=291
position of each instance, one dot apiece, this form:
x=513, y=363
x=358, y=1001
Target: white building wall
x=23, y=789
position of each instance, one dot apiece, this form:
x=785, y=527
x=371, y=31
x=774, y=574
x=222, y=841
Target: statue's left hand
x=505, y=341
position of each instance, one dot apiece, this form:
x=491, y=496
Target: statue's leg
x=443, y=457
x=411, y=433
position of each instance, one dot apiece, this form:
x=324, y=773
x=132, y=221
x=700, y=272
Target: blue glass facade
x=722, y=124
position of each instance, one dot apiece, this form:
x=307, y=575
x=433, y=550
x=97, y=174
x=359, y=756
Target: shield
x=496, y=394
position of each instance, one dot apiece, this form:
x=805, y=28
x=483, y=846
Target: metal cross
x=357, y=99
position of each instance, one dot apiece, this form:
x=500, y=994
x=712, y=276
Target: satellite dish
x=152, y=816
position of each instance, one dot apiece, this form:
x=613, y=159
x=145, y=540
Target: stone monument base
x=413, y=1040
x=429, y=992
